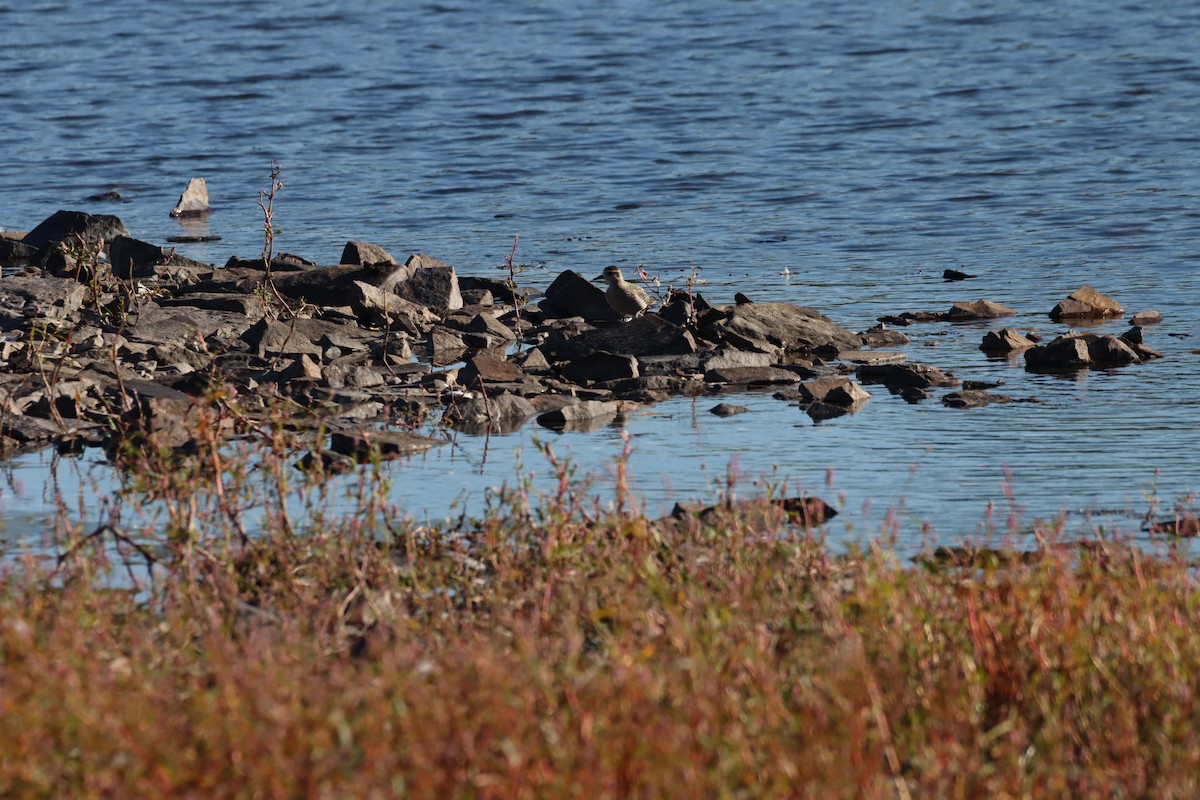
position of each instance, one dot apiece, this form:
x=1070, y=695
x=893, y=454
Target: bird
x=625, y=298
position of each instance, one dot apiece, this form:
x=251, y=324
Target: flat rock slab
x=365, y=445
x=648, y=334
x=974, y=398
x=588, y=414
x=791, y=327
x=751, y=376
x=978, y=309
x=905, y=376
x=871, y=357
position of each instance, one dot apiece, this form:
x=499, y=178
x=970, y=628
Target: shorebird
x=626, y=299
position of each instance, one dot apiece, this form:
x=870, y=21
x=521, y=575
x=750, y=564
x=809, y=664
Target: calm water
x=864, y=147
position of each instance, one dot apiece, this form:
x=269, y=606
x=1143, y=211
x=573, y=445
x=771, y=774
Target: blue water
x=863, y=147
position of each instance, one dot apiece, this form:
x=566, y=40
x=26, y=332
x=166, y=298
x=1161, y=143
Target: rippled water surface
x=863, y=147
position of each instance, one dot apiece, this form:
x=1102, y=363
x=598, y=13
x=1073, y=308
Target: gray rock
x=133, y=258
x=750, y=376
x=15, y=253
x=1066, y=353
x=883, y=336
x=727, y=410
x=871, y=357
x=194, y=200
x=728, y=357
x=503, y=414
x=364, y=445
x=974, y=398
x=91, y=229
x=483, y=370
x=600, y=367
x=1110, y=351
x=25, y=297
x=572, y=295
x=365, y=253
x=794, y=328
x=905, y=376
x=586, y=415
x=978, y=309
x=645, y=335
x=837, y=391
x=431, y=283
x=1005, y=340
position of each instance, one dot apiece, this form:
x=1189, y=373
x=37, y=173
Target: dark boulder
x=905, y=376
x=600, y=367
x=365, y=253
x=572, y=295
x=76, y=226
x=431, y=283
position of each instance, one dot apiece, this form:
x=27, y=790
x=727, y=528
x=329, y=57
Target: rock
x=1086, y=303
x=750, y=376
x=270, y=338
x=905, y=376
x=794, y=328
x=838, y=391
x=973, y=398
x=588, y=415
x=365, y=445
x=728, y=357
x=1005, y=340
x=133, y=258
x=883, y=336
x=600, y=367
x=23, y=298
x=371, y=302
x=979, y=309
x=727, y=410
x=334, y=286
x=365, y=253
x=431, y=283
x=1064, y=354
x=484, y=370
x=445, y=346
x=247, y=305
x=282, y=263
x=75, y=226
x=503, y=414
x=15, y=253
x=1149, y=317
x=955, y=275
x=805, y=512
x=871, y=357
x=1110, y=351
x=194, y=200
x=572, y=295
x=645, y=335
x=486, y=323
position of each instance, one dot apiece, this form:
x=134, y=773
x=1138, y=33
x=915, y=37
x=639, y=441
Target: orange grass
x=552, y=651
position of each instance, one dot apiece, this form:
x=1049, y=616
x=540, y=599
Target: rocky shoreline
x=109, y=340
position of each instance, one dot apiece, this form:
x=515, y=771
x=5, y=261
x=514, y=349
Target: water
x=864, y=148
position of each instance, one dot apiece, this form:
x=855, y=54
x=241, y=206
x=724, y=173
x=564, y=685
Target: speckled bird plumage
x=626, y=298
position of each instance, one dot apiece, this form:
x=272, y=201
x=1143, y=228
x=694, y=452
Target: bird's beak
x=599, y=277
